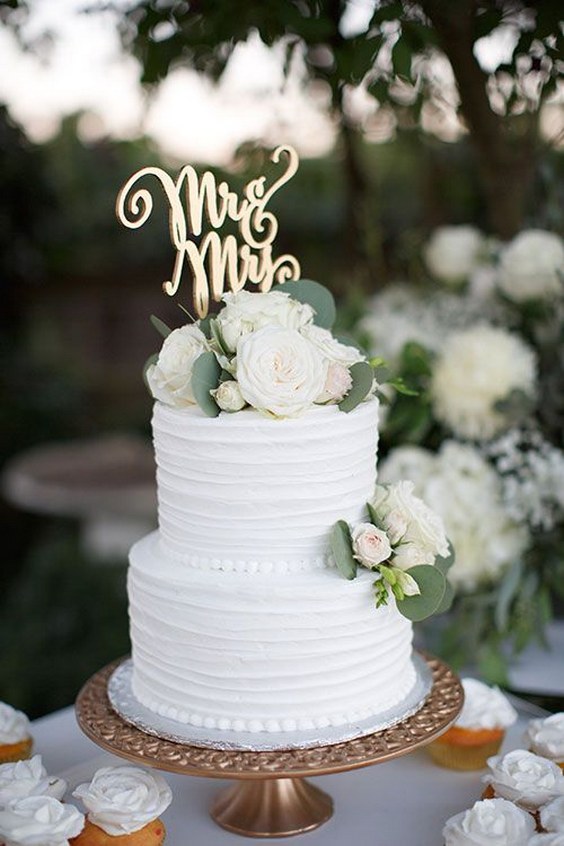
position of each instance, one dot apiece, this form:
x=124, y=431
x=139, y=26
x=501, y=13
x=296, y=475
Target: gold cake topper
x=214, y=260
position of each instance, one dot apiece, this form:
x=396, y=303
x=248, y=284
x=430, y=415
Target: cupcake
x=479, y=730
x=546, y=738
x=28, y=778
x=39, y=821
x=15, y=738
x=552, y=815
x=524, y=778
x=123, y=808
x=550, y=839
x=487, y=822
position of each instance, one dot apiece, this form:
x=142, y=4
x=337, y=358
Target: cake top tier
x=273, y=352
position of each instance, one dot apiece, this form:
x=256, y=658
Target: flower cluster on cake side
x=273, y=352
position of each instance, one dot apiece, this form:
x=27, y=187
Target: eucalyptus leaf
x=341, y=547
x=400, y=386
x=217, y=336
x=372, y=514
x=206, y=373
x=506, y=594
x=317, y=296
x=362, y=379
x=432, y=585
x=204, y=325
x=160, y=326
x=150, y=361
x=447, y=599
x=444, y=563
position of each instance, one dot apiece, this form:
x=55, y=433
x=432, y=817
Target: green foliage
x=206, y=374
x=318, y=297
x=160, y=326
x=432, y=585
x=341, y=547
x=362, y=381
x=410, y=418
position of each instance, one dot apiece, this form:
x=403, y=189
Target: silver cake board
x=124, y=702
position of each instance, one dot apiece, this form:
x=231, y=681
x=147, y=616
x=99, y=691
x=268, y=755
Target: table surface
x=405, y=801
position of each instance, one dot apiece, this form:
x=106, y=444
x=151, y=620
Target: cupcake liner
x=153, y=834
x=455, y=757
x=12, y=752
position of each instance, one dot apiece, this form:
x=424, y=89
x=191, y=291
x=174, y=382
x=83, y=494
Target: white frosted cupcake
x=550, y=839
x=124, y=805
x=39, y=821
x=15, y=736
x=28, y=778
x=546, y=737
x=489, y=822
x=524, y=778
x=478, y=731
x=552, y=815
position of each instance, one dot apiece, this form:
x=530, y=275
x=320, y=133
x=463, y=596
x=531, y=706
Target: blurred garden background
x=408, y=118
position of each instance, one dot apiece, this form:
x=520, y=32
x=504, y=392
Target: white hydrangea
x=454, y=252
x=477, y=368
x=532, y=266
x=466, y=491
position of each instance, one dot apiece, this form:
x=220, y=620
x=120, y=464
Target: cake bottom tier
x=260, y=652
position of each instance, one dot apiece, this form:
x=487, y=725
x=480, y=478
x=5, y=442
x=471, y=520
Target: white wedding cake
x=265, y=432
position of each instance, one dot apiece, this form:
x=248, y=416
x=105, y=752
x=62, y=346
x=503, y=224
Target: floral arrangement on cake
x=405, y=545
x=272, y=351
x=479, y=337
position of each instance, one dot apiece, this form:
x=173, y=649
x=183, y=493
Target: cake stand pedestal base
x=271, y=797
x=273, y=807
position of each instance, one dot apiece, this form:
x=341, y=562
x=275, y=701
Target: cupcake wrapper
x=463, y=757
x=12, y=752
x=153, y=834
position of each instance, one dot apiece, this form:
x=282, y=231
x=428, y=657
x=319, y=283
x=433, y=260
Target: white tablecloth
x=401, y=803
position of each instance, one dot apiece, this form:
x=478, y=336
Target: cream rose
x=28, y=778
x=370, y=545
x=524, y=778
x=532, y=266
x=546, y=736
x=121, y=800
x=395, y=524
x=279, y=371
x=14, y=725
x=552, y=815
x=39, y=821
x=229, y=397
x=330, y=348
x=247, y=311
x=454, y=252
x=170, y=379
x=338, y=383
x=491, y=822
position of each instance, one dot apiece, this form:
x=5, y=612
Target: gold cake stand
x=270, y=797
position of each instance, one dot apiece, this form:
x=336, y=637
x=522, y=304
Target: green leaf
x=206, y=373
x=380, y=592
x=388, y=574
x=341, y=547
x=362, y=379
x=317, y=296
x=215, y=332
x=150, y=361
x=432, y=585
x=400, y=386
x=160, y=326
x=444, y=563
x=372, y=514
x=205, y=325
x=447, y=599
x=507, y=592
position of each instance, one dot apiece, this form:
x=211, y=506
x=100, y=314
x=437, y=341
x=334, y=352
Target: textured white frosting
x=488, y=823
x=14, y=725
x=28, y=778
x=263, y=652
x=546, y=737
x=39, y=821
x=552, y=815
x=485, y=707
x=524, y=778
x=247, y=492
x=121, y=800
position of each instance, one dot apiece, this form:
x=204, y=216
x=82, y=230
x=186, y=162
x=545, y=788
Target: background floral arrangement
x=480, y=336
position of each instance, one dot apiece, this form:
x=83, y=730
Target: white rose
x=476, y=369
x=546, y=736
x=330, y=347
x=425, y=528
x=485, y=707
x=552, y=815
x=532, y=266
x=370, y=545
x=121, y=800
x=454, y=252
x=279, y=371
x=247, y=311
x=229, y=397
x=170, y=379
x=338, y=383
x=39, y=821
x=395, y=524
x=408, y=555
x=490, y=822
x=28, y=778
x=14, y=725
x=524, y=778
